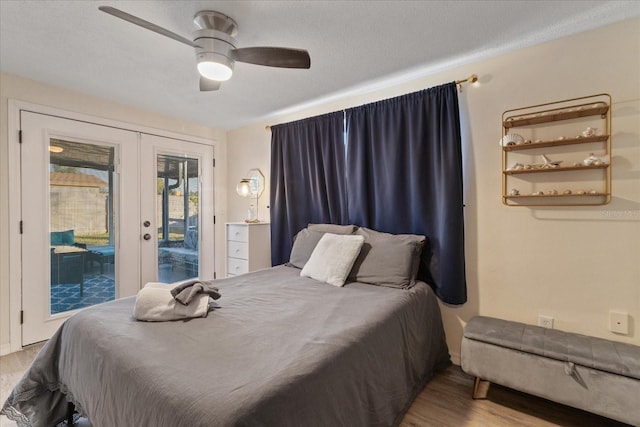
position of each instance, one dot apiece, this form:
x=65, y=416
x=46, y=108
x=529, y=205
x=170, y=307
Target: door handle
x=146, y=236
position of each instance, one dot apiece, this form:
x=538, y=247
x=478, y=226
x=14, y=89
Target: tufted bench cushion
x=589, y=373
x=597, y=353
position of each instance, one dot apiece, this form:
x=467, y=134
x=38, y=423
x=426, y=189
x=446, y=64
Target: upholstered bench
x=588, y=373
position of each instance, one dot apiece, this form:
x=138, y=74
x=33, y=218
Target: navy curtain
x=404, y=166
x=307, y=178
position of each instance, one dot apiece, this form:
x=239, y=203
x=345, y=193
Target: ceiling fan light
x=215, y=67
x=214, y=71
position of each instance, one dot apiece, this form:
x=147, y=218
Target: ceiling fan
x=215, y=46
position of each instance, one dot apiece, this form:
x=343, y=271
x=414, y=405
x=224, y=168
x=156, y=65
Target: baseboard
x=5, y=349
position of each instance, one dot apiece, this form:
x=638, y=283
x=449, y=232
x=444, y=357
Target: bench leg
x=480, y=388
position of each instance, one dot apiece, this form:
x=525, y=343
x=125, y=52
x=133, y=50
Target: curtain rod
x=471, y=79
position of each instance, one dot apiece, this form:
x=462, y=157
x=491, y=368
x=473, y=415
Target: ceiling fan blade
x=273, y=57
x=207, y=85
x=146, y=24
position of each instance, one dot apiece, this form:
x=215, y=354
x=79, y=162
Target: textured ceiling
x=353, y=45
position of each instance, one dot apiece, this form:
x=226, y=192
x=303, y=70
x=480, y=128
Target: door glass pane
x=81, y=224
x=177, y=209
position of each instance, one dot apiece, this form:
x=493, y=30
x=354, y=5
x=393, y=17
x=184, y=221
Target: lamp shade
x=244, y=188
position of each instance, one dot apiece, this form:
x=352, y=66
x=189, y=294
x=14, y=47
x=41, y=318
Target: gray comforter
x=278, y=350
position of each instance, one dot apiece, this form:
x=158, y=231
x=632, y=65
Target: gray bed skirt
x=277, y=349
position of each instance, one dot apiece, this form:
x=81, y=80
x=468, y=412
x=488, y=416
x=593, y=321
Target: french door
x=177, y=210
x=93, y=221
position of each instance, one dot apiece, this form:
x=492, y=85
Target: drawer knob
x=237, y=251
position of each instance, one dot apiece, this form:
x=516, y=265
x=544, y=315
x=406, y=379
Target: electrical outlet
x=545, y=321
x=619, y=322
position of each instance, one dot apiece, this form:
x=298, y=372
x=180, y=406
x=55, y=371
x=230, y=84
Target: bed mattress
x=277, y=349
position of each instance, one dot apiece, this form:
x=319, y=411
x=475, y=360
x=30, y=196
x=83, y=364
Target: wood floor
x=445, y=402
x=12, y=366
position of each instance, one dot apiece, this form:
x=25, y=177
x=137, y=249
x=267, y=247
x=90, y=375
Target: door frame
x=14, y=263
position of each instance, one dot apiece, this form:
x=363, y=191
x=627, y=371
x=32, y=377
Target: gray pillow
x=388, y=259
x=303, y=245
x=333, y=228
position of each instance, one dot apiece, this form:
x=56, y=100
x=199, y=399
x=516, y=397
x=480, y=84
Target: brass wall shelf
x=554, y=115
x=543, y=196
x=569, y=117
x=558, y=169
x=556, y=143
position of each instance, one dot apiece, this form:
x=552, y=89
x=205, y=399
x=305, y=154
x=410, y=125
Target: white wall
x=251, y=149
x=572, y=263
x=14, y=87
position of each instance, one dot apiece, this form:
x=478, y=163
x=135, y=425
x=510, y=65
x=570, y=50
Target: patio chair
x=67, y=259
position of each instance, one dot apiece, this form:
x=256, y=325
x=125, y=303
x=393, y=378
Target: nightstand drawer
x=238, y=249
x=238, y=233
x=237, y=266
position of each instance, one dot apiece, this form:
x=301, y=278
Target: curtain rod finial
x=471, y=79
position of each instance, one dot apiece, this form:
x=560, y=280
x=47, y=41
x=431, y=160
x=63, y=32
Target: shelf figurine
x=593, y=160
x=547, y=163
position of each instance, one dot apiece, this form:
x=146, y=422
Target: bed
x=277, y=349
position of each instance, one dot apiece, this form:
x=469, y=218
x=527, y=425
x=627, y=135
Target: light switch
x=619, y=322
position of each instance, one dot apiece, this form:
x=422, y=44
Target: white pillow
x=332, y=258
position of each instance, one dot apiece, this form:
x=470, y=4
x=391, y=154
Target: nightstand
x=248, y=247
